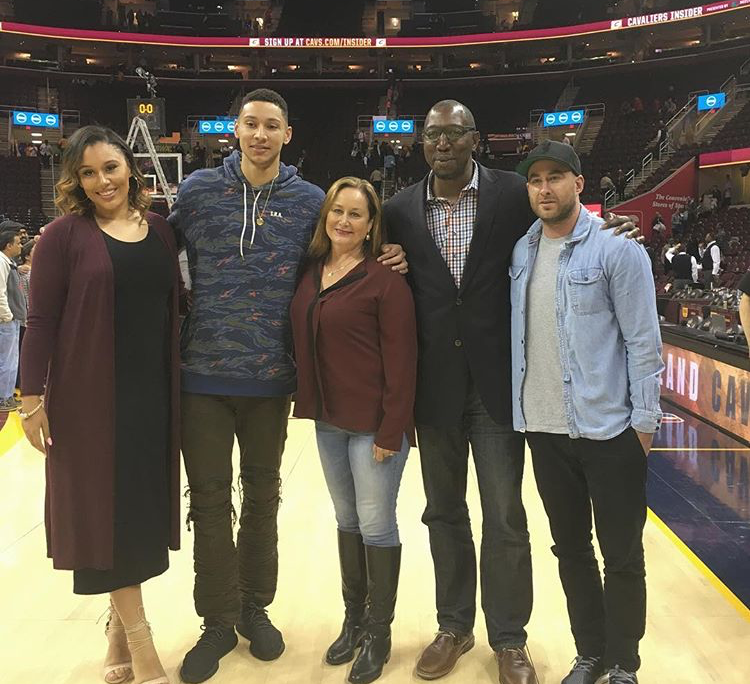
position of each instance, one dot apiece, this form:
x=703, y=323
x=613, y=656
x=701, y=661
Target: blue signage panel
x=712, y=101
x=394, y=126
x=216, y=127
x=571, y=118
x=37, y=119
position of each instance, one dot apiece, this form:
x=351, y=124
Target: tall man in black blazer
x=459, y=226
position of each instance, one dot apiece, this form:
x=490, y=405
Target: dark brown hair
x=266, y=95
x=320, y=245
x=71, y=198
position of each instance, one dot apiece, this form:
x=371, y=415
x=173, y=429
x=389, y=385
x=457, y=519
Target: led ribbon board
x=571, y=118
x=712, y=101
x=36, y=119
x=216, y=126
x=392, y=126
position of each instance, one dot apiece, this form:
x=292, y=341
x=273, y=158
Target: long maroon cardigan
x=68, y=355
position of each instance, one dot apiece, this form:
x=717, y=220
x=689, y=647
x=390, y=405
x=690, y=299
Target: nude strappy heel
x=136, y=645
x=112, y=632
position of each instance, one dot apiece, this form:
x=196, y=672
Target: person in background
x=24, y=267
x=727, y=193
x=578, y=306
x=711, y=262
x=355, y=342
x=659, y=227
x=24, y=277
x=605, y=185
x=101, y=336
x=45, y=153
x=12, y=317
x=667, y=264
x=684, y=265
x=621, y=182
x=376, y=178
x=744, y=287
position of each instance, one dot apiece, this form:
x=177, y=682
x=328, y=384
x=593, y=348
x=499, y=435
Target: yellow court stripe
x=705, y=449
x=10, y=433
x=722, y=588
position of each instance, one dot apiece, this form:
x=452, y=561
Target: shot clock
x=151, y=110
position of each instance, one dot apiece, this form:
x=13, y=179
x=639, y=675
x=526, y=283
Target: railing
x=665, y=146
x=54, y=183
x=689, y=107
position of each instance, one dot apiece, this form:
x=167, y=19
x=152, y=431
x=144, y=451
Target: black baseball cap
x=554, y=151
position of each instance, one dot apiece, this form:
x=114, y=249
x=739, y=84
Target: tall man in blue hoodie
x=246, y=227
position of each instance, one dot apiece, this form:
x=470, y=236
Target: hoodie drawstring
x=244, y=220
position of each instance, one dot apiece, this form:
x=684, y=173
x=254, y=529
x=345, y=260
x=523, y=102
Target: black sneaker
x=585, y=671
x=202, y=661
x=266, y=642
x=618, y=676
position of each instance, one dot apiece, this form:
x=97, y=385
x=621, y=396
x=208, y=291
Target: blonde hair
x=71, y=198
x=320, y=245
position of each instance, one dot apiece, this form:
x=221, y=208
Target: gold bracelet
x=26, y=416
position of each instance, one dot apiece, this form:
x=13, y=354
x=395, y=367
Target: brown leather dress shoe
x=515, y=666
x=441, y=656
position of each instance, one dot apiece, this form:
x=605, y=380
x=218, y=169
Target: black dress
x=143, y=283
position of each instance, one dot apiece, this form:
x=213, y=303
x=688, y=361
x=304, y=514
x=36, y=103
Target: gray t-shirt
x=542, y=396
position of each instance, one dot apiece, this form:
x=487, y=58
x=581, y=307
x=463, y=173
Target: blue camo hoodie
x=236, y=340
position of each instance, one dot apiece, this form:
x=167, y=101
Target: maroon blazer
x=356, y=350
x=68, y=355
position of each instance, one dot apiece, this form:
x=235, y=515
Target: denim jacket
x=608, y=329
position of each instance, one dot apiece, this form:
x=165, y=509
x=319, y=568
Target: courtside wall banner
x=715, y=391
x=671, y=193
x=645, y=20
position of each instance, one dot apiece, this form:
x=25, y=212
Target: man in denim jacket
x=586, y=362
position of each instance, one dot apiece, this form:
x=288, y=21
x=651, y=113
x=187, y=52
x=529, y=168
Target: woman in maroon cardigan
x=99, y=384
x=355, y=342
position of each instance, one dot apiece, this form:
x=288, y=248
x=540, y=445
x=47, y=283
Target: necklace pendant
x=259, y=221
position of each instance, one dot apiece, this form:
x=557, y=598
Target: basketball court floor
x=697, y=552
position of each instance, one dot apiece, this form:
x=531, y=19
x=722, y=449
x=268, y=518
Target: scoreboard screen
x=151, y=110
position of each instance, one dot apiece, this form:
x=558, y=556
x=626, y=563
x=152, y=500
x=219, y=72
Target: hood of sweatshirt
x=233, y=169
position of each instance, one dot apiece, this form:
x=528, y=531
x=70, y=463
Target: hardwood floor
x=50, y=636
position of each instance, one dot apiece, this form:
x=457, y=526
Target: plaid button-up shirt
x=452, y=225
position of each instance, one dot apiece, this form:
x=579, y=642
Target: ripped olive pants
x=228, y=576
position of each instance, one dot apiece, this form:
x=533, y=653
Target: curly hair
x=320, y=245
x=71, y=198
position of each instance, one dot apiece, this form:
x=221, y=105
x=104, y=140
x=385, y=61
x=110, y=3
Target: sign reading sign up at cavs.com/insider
x=715, y=391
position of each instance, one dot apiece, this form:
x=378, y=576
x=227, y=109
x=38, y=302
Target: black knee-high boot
x=354, y=591
x=383, y=566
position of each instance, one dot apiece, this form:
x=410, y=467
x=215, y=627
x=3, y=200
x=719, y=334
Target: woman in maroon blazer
x=99, y=384
x=355, y=342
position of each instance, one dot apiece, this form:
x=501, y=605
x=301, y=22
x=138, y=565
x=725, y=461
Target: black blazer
x=464, y=334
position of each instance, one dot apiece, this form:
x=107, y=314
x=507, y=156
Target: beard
x=565, y=212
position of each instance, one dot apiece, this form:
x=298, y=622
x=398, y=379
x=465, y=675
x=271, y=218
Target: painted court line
x=10, y=433
x=706, y=449
x=722, y=588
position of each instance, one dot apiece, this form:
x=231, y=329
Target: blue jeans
x=505, y=560
x=8, y=357
x=364, y=491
